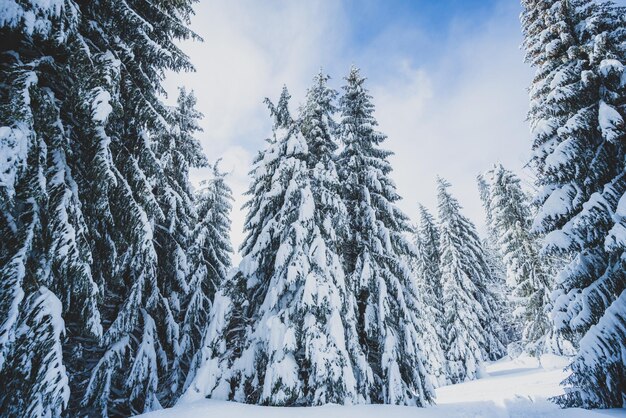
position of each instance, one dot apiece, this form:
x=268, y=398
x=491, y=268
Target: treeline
x=117, y=295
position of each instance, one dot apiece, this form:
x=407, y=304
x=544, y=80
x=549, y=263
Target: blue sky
x=430, y=19
x=447, y=76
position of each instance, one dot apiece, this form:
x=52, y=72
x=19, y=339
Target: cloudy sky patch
x=448, y=81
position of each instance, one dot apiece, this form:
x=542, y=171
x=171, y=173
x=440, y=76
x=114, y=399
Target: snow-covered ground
x=509, y=388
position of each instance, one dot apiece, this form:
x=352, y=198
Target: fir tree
x=45, y=255
x=497, y=268
x=79, y=210
x=425, y=266
x=376, y=254
x=36, y=379
x=293, y=349
x=527, y=272
x=140, y=343
x=210, y=259
x=470, y=315
x=495, y=261
x=176, y=151
x=427, y=241
x=238, y=298
x=577, y=120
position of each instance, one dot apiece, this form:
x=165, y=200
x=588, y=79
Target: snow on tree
x=291, y=348
x=425, y=265
x=427, y=241
x=239, y=296
x=177, y=150
x=35, y=379
x=527, y=272
x=497, y=270
x=79, y=194
x=306, y=316
x=210, y=258
x=140, y=297
x=22, y=185
x=376, y=254
x=471, y=316
x=264, y=204
x=577, y=120
x=44, y=253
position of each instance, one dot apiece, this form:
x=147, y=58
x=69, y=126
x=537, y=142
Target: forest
x=121, y=292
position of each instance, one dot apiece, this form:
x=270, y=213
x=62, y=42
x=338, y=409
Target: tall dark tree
x=210, y=260
x=471, y=315
x=44, y=254
x=577, y=118
x=80, y=83
x=177, y=151
x=376, y=257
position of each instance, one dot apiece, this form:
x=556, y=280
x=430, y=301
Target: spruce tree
x=37, y=383
x=527, y=272
x=44, y=254
x=291, y=348
x=577, y=120
x=427, y=241
x=376, y=257
x=425, y=265
x=80, y=200
x=497, y=268
x=470, y=314
x=140, y=343
x=210, y=260
x=238, y=298
x=176, y=150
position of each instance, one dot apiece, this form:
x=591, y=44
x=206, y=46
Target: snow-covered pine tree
x=290, y=347
x=376, y=255
x=318, y=128
x=497, y=267
x=140, y=342
x=507, y=328
x=427, y=240
x=44, y=254
x=490, y=242
x=210, y=260
x=425, y=265
x=471, y=319
x=577, y=119
x=527, y=272
x=177, y=150
x=35, y=379
x=239, y=296
x=78, y=172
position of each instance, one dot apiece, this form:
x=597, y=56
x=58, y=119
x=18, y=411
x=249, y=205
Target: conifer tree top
x=316, y=119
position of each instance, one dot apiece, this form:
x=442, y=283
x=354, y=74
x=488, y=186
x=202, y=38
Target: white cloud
x=453, y=113
x=458, y=115
x=251, y=49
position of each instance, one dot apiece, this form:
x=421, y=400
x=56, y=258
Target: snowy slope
x=509, y=388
